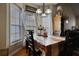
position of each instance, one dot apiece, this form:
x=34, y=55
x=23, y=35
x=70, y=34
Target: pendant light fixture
x=38, y=11
x=43, y=11
x=67, y=21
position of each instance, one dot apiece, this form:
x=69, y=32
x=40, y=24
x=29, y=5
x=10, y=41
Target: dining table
x=46, y=43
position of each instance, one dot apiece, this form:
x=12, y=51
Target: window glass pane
x=30, y=20
x=13, y=16
x=17, y=36
x=12, y=29
x=17, y=17
x=12, y=38
x=17, y=29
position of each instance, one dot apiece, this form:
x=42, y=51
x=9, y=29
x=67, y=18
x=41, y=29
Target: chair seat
x=76, y=52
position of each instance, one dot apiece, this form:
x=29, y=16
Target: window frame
x=19, y=25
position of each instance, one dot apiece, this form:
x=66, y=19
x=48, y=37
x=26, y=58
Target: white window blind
x=14, y=23
x=30, y=21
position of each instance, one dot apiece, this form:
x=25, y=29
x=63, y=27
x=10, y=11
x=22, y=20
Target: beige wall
x=77, y=21
x=72, y=20
x=7, y=25
x=2, y=26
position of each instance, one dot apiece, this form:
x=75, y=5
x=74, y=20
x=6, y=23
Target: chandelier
x=43, y=11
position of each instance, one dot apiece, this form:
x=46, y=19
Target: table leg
x=48, y=50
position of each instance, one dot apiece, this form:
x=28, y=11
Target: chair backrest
x=30, y=42
x=71, y=42
x=73, y=36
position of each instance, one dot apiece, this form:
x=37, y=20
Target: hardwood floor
x=22, y=52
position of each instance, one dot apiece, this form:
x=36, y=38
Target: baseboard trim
x=4, y=52
x=11, y=54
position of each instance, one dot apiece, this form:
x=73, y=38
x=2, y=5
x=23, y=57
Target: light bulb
x=43, y=14
x=48, y=11
x=39, y=11
x=67, y=21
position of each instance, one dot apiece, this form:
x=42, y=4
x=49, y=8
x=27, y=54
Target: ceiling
x=46, y=4
x=73, y=6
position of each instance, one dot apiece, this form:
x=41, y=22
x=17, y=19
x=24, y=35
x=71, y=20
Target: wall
x=2, y=26
x=68, y=12
x=77, y=21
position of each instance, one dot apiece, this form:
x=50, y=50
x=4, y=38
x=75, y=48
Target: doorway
x=62, y=26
